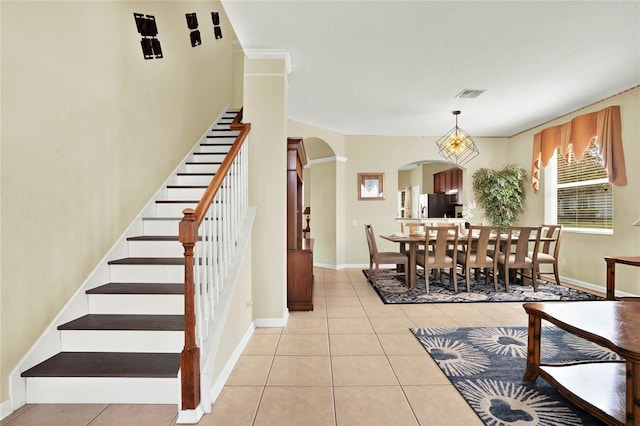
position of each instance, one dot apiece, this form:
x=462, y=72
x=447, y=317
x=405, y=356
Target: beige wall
x=404, y=179
x=90, y=130
x=582, y=254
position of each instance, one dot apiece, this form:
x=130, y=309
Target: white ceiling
x=395, y=67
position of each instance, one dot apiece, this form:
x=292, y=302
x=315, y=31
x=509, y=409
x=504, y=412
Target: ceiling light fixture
x=456, y=146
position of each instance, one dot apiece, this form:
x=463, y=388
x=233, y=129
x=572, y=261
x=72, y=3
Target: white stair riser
x=221, y=131
x=155, y=249
x=167, y=226
x=122, y=341
x=202, y=168
x=208, y=158
x=222, y=149
x=185, y=193
x=99, y=390
x=147, y=273
x=140, y=304
x=194, y=179
x=173, y=209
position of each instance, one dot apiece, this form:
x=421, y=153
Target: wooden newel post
x=190, y=356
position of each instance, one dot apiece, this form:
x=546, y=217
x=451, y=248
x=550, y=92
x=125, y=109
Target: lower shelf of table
x=599, y=387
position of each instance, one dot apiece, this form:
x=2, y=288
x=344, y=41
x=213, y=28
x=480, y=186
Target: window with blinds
x=583, y=197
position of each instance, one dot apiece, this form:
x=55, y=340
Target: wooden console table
x=609, y=391
x=611, y=271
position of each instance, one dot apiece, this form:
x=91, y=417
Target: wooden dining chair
x=549, y=251
x=514, y=254
x=377, y=258
x=479, y=251
x=440, y=252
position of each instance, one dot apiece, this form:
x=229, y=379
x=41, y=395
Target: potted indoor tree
x=501, y=194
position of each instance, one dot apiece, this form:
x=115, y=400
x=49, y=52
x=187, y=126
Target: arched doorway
x=320, y=196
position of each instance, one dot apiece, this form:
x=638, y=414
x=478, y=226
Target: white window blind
x=578, y=195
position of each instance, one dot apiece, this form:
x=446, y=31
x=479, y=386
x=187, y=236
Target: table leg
x=412, y=265
x=611, y=279
x=533, y=348
x=633, y=393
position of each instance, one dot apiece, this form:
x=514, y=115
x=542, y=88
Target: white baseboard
x=594, y=287
x=272, y=322
x=6, y=408
x=341, y=266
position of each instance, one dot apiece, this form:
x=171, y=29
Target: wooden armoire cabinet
x=299, y=249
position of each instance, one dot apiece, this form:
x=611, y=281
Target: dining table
x=414, y=241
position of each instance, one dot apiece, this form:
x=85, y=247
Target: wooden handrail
x=214, y=186
x=188, y=236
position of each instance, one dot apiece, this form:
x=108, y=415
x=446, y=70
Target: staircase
x=126, y=349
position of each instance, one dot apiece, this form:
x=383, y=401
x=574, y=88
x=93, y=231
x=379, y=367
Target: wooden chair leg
x=556, y=274
x=453, y=279
x=467, y=279
x=494, y=272
x=426, y=278
x=506, y=278
x=534, y=279
x=406, y=275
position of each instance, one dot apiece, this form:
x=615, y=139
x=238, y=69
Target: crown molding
x=271, y=54
x=337, y=159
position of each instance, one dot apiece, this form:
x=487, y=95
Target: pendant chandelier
x=456, y=146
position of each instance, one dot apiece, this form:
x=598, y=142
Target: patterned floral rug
x=486, y=366
x=392, y=290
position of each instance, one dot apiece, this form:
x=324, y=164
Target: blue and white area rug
x=393, y=290
x=486, y=366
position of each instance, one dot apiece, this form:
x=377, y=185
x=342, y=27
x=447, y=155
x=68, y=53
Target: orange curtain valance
x=575, y=136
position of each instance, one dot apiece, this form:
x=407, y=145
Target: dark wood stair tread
x=153, y=238
x=138, y=288
x=107, y=364
x=126, y=322
x=148, y=261
x=201, y=163
x=177, y=201
x=156, y=238
x=195, y=174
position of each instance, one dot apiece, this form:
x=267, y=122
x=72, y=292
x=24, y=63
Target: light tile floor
x=352, y=361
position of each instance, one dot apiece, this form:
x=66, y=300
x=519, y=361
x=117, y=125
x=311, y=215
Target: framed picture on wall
x=370, y=186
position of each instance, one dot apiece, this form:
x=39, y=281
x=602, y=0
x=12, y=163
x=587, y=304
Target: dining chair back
x=411, y=228
x=377, y=258
x=482, y=244
x=549, y=251
x=440, y=252
x=514, y=254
